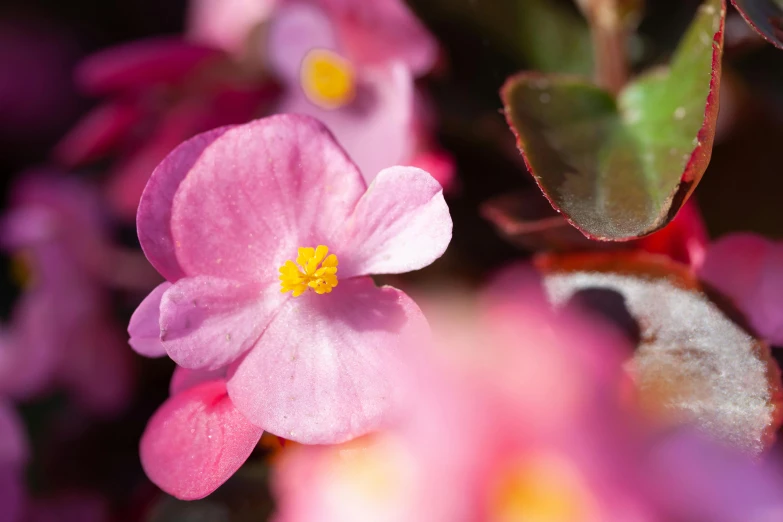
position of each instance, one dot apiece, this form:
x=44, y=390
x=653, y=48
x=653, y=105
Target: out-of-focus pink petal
x=12, y=494
x=206, y=322
x=320, y=373
x=441, y=166
x=97, y=133
x=128, y=180
x=140, y=64
x=297, y=28
x=259, y=192
x=381, y=31
x=185, y=379
x=685, y=239
x=154, y=214
x=401, y=224
x=28, y=351
x=144, y=325
x=226, y=24
x=376, y=129
x=13, y=441
x=749, y=270
x=97, y=368
x=196, y=441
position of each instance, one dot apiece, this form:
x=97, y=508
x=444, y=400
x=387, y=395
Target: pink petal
x=401, y=224
x=381, y=31
x=227, y=24
x=737, y=266
x=144, y=325
x=185, y=379
x=441, y=166
x=141, y=64
x=196, y=441
x=28, y=354
x=12, y=494
x=376, y=129
x=97, y=133
x=320, y=373
x=296, y=29
x=259, y=192
x=98, y=369
x=206, y=322
x=13, y=440
x=154, y=214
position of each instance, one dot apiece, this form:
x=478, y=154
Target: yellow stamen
x=327, y=79
x=22, y=270
x=313, y=269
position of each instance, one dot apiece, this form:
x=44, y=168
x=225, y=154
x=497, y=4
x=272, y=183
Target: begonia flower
x=267, y=233
x=61, y=334
x=197, y=439
x=749, y=269
x=161, y=92
x=352, y=65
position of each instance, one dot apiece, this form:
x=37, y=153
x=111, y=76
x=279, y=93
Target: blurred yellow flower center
x=21, y=270
x=327, y=79
x=542, y=490
x=313, y=269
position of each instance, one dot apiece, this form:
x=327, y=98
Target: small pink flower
x=749, y=269
x=61, y=334
x=197, y=439
x=352, y=64
x=236, y=215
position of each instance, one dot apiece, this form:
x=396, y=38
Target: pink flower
x=233, y=216
x=61, y=334
x=197, y=439
x=523, y=424
x=352, y=65
x=749, y=269
x=162, y=91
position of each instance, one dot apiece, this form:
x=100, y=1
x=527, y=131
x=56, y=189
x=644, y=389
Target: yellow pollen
x=327, y=79
x=313, y=269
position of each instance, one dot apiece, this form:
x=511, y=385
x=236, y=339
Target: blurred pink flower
x=161, y=92
x=197, y=439
x=224, y=216
x=61, y=333
x=352, y=65
x=525, y=425
x=749, y=269
x=13, y=457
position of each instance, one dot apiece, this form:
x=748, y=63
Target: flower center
x=327, y=79
x=313, y=269
x=544, y=490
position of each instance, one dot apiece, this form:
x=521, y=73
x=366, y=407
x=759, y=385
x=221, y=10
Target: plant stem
x=611, y=30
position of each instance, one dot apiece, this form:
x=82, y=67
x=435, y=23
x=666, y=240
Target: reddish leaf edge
x=752, y=24
x=700, y=156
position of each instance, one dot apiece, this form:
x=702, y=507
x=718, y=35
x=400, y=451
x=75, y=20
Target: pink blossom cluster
x=253, y=258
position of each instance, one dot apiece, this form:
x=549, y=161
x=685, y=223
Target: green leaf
x=620, y=167
x=694, y=360
x=765, y=17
